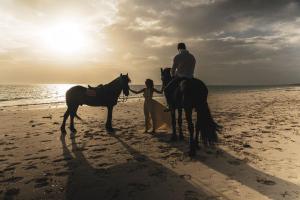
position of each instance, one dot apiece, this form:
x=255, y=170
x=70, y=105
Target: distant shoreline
x=22, y=96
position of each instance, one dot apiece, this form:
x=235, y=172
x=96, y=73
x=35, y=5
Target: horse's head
x=125, y=80
x=165, y=76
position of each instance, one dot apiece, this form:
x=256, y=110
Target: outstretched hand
x=136, y=92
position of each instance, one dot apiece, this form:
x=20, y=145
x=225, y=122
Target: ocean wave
x=14, y=99
x=47, y=102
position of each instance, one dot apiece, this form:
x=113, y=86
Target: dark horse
x=104, y=95
x=192, y=94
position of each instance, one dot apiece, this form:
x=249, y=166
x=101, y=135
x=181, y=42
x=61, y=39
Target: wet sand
x=258, y=156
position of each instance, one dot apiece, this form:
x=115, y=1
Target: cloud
x=224, y=35
x=234, y=41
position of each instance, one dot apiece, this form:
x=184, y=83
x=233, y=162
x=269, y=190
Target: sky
x=235, y=42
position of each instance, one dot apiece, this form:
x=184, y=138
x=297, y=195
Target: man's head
x=181, y=46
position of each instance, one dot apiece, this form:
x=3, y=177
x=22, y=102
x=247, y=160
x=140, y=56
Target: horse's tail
x=206, y=124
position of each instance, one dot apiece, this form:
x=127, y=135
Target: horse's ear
x=161, y=70
x=121, y=74
x=127, y=74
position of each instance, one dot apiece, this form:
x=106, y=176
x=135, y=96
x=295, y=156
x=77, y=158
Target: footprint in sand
x=11, y=167
x=278, y=149
x=41, y=182
x=234, y=162
x=46, y=140
x=50, y=133
x=265, y=181
x=99, y=150
x=247, y=145
x=96, y=156
x=43, y=150
x=3, y=159
x=47, y=117
x=7, y=169
x=37, y=158
x=13, y=179
x=9, y=148
x=30, y=167
x=103, y=165
x=186, y=176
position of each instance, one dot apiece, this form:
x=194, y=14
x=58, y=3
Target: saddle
x=92, y=91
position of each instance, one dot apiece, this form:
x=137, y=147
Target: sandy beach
x=257, y=158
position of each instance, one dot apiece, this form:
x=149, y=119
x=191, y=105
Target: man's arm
x=174, y=67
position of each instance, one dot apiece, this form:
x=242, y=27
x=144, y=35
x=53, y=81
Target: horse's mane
x=112, y=82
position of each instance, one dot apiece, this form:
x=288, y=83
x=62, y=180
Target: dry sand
x=258, y=156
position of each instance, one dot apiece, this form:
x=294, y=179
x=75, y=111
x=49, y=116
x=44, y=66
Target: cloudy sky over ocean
x=234, y=41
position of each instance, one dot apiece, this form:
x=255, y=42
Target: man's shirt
x=183, y=65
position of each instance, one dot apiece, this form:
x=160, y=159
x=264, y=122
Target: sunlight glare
x=66, y=38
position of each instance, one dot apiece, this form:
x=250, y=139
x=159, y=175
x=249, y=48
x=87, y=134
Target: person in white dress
x=153, y=110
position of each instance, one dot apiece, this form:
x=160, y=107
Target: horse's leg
x=173, y=116
x=108, y=124
x=180, y=124
x=188, y=115
x=63, y=125
x=73, y=111
x=197, y=130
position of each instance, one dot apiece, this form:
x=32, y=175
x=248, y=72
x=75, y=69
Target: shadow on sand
x=229, y=165
x=138, y=178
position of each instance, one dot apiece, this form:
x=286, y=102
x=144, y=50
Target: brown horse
x=192, y=94
x=103, y=95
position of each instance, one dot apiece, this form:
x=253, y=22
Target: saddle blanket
x=91, y=93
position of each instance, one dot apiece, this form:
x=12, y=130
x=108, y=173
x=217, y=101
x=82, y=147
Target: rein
x=123, y=98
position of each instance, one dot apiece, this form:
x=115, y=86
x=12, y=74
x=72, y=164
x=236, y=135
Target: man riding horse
x=183, y=69
x=184, y=92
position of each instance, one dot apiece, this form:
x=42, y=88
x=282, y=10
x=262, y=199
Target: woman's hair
x=149, y=83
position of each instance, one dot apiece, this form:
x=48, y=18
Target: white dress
x=154, y=113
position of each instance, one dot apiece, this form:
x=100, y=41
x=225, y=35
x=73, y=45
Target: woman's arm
x=157, y=91
x=137, y=92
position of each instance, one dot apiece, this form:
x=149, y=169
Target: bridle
x=124, y=98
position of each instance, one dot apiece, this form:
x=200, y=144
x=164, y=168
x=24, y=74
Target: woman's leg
x=147, y=117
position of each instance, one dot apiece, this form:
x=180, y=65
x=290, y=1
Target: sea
x=54, y=94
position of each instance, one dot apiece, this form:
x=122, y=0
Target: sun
x=65, y=38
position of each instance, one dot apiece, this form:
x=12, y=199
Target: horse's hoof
x=181, y=137
x=73, y=130
x=173, y=138
x=110, y=130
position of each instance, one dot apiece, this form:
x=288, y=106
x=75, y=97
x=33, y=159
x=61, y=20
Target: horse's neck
x=115, y=86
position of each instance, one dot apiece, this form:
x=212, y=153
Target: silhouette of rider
x=182, y=69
